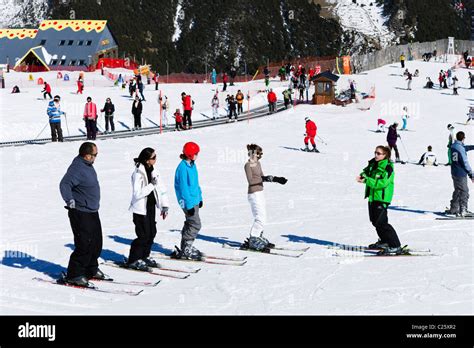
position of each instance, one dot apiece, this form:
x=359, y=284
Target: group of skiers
x=235, y=106
x=80, y=191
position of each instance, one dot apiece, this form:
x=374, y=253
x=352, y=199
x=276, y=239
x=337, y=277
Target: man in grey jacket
x=81, y=191
x=460, y=171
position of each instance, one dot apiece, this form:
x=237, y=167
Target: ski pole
x=403, y=144
x=67, y=126
x=321, y=139
x=42, y=131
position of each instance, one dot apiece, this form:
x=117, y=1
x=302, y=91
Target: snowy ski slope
x=321, y=205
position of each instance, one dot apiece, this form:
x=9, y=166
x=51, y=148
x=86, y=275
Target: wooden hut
x=325, y=84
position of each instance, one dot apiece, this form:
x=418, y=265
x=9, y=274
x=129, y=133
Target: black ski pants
x=87, y=232
x=187, y=118
x=91, y=126
x=56, y=132
x=394, y=147
x=109, y=119
x=379, y=218
x=145, y=228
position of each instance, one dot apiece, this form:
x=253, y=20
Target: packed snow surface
x=321, y=205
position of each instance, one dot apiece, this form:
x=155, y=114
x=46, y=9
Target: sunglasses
x=379, y=153
x=94, y=154
x=153, y=158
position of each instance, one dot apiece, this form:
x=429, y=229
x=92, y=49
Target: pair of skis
x=276, y=250
x=92, y=287
x=375, y=252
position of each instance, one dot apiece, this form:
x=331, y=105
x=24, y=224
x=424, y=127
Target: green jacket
x=379, y=181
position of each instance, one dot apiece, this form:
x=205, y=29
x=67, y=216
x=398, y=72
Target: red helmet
x=191, y=149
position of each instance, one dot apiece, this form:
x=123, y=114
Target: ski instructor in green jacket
x=379, y=178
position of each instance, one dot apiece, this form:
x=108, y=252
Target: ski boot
x=306, y=149
x=315, y=149
x=187, y=252
x=151, y=263
x=138, y=265
x=378, y=245
x=99, y=275
x=245, y=245
x=80, y=281
x=395, y=251
x=269, y=245
x=258, y=244
x=464, y=213
x=448, y=211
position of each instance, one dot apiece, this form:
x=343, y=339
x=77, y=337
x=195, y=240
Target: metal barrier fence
x=390, y=55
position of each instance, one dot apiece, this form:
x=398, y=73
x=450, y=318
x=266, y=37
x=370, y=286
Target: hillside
x=191, y=35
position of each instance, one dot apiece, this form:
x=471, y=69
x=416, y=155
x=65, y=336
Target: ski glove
x=164, y=212
x=191, y=212
x=154, y=181
x=200, y=204
x=279, y=180
x=268, y=178
x=71, y=205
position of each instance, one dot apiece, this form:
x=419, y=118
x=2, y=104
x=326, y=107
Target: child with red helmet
x=189, y=195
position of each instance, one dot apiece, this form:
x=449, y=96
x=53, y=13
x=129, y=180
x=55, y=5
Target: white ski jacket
x=141, y=189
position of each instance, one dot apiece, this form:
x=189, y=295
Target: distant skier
x=47, y=91
x=311, y=132
x=215, y=107
x=225, y=79
x=137, y=109
x=141, y=87
x=188, y=105
x=109, y=110
x=189, y=195
x=287, y=97
x=455, y=86
x=470, y=115
x=80, y=85
x=460, y=171
x=148, y=193
x=272, y=101
x=214, y=76
x=409, y=79
x=301, y=88
x=90, y=117
x=166, y=106
x=233, y=74
x=402, y=61
x=256, y=198
x=381, y=125
x=471, y=80
x=429, y=83
x=54, y=113
x=178, y=120
x=428, y=158
x=392, y=138
x=239, y=97
x=379, y=180
x=232, y=109
x=405, y=118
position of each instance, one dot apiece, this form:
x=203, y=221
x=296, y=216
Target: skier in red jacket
x=272, y=100
x=187, y=110
x=311, y=131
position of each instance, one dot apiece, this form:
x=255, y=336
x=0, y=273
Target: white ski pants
x=215, y=112
x=257, y=204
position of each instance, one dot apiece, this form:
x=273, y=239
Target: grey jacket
x=81, y=184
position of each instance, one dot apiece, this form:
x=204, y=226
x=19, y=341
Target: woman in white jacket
x=148, y=192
